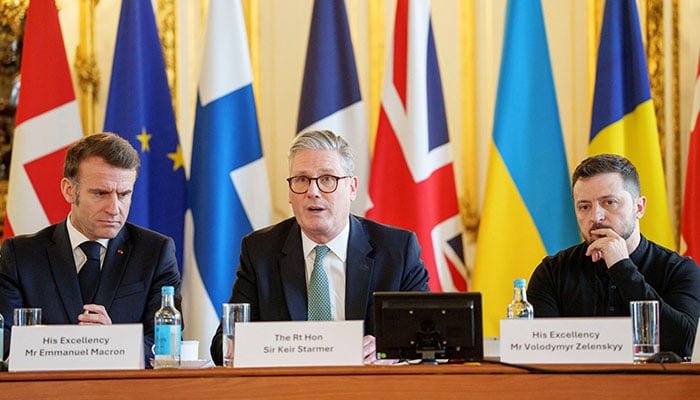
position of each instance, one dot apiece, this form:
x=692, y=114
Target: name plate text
x=76, y=347
x=298, y=343
x=567, y=340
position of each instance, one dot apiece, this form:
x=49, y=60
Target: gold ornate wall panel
x=469, y=199
x=676, y=117
x=659, y=51
x=655, y=47
x=377, y=59
x=87, y=72
x=166, y=16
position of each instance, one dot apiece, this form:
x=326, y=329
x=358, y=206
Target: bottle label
x=167, y=340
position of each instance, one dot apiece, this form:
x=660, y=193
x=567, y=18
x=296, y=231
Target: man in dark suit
x=277, y=271
x=44, y=269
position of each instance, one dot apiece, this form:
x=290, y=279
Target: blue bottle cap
x=167, y=290
x=519, y=283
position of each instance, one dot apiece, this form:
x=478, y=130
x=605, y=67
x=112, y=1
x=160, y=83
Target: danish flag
x=412, y=182
x=47, y=122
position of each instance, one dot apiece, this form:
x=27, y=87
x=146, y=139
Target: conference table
x=489, y=379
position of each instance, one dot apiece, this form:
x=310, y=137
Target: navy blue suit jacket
x=38, y=270
x=271, y=275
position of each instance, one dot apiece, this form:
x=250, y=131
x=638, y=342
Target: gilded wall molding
x=658, y=51
x=469, y=200
x=377, y=59
x=655, y=62
x=87, y=71
x=676, y=96
x=167, y=29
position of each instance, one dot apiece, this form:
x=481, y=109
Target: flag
x=330, y=94
x=624, y=120
x=412, y=183
x=690, y=220
x=528, y=210
x=228, y=189
x=47, y=123
x=139, y=108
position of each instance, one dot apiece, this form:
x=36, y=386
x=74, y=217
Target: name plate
x=298, y=343
x=567, y=340
x=76, y=347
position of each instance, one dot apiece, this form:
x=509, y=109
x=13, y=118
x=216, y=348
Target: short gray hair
x=324, y=140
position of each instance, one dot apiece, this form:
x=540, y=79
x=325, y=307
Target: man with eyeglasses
x=355, y=256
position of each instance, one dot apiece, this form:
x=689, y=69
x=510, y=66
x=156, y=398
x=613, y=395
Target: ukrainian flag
x=624, y=121
x=528, y=209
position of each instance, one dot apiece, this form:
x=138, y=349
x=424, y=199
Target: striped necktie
x=319, y=308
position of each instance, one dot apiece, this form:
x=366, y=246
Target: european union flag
x=139, y=108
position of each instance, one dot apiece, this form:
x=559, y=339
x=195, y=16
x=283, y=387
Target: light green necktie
x=319, y=308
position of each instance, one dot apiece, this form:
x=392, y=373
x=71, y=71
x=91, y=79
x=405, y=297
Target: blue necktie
x=319, y=308
x=89, y=274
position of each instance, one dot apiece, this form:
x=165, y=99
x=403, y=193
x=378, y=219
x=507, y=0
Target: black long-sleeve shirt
x=569, y=284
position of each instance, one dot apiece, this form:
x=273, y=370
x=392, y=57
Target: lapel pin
x=120, y=251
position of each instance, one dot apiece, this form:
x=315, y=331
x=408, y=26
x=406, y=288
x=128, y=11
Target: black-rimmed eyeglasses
x=325, y=183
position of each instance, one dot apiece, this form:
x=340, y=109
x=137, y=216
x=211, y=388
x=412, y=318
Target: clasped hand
x=95, y=314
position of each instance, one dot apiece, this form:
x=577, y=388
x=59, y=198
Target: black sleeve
x=244, y=290
x=542, y=291
x=679, y=299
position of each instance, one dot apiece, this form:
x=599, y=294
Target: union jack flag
x=412, y=183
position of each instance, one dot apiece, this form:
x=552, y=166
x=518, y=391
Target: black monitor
x=428, y=326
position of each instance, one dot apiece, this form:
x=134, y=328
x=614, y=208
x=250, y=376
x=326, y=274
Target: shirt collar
x=77, y=238
x=639, y=253
x=338, y=245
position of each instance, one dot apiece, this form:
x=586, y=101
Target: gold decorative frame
x=469, y=200
x=167, y=29
x=657, y=55
x=87, y=72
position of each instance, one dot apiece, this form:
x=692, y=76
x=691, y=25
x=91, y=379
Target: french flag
x=47, y=123
x=228, y=189
x=412, y=183
x=330, y=94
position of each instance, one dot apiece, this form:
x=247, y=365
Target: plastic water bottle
x=168, y=331
x=519, y=308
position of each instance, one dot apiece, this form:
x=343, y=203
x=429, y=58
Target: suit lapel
x=113, y=268
x=65, y=274
x=293, y=274
x=358, y=271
